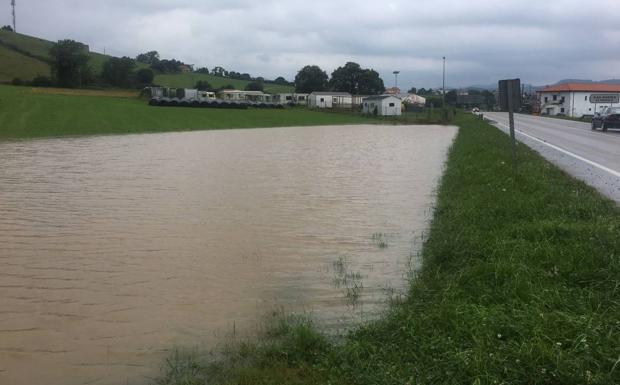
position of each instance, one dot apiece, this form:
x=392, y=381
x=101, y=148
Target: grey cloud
x=483, y=40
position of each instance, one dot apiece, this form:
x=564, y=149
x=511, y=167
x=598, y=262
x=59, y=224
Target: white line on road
x=581, y=158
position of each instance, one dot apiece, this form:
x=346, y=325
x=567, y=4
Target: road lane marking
x=581, y=158
x=557, y=124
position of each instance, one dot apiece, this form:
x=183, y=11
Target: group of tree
x=167, y=66
x=70, y=68
x=351, y=78
x=6, y=28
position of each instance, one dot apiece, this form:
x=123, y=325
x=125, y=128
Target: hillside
x=16, y=65
x=188, y=80
x=24, y=57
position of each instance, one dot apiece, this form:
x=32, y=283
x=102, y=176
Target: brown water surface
x=114, y=249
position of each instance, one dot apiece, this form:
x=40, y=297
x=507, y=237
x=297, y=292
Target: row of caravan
x=369, y=104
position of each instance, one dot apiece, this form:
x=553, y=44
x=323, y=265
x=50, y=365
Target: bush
x=203, y=85
x=145, y=76
x=17, y=82
x=42, y=81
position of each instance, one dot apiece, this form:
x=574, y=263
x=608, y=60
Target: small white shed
x=383, y=105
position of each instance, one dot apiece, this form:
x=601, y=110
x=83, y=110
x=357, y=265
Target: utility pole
x=443, y=87
x=396, y=78
x=14, y=25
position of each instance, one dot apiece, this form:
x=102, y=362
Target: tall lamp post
x=443, y=87
x=396, y=78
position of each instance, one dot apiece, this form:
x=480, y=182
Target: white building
x=578, y=99
x=325, y=99
x=237, y=95
x=383, y=105
x=188, y=93
x=291, y=98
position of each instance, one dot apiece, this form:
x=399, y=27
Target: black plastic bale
x=173, y=103
x=184, y=103
x=195, y=103
x=204, y=104
x=164, y=103
x=153, y=102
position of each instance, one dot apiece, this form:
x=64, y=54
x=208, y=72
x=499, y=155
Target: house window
x=586, y=98
x=555, y=97
x=391, y=104
x=322, y=100
x=301, y=98
x=335, y=100
x=590, y=109
x=546, y=99
x=289, y=98
x=562, y=110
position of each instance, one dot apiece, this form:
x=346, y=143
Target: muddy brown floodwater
x=115, y=249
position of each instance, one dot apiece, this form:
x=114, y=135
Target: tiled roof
x=583, y=87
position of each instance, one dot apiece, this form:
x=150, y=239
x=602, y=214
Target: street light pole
x=443, y=87
x=396, y=78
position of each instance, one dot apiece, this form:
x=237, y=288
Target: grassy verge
x=520, y=285
x=32, y=113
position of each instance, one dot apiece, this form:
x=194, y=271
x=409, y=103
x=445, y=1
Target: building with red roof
x=578, y=99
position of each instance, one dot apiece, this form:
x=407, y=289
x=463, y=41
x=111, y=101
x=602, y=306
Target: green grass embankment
x=520, y=284
x=32, y=113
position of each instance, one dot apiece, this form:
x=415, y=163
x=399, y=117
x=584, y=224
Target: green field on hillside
x=15, y=65
x=188, y=80
x=40, y=48
x=29, y=113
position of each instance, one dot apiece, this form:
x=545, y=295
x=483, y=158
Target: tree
x=412, y=90
x=310, y=78
x=202, y=70
x=203, y=85
x=219, y=71
x=355, y=80
x=150, y=57
x=69, y=63
x=489, y=98
x=280, y=80
x=145, y=76
x=117, y=71
x=254, y=86
x=451, y=97
x=6, y=28
x=167, y=66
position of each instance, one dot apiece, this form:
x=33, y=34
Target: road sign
x=515, y=93
x=605, y=98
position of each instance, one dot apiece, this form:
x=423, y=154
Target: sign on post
x=605, y=98
x=515, y=92
x=509, y=100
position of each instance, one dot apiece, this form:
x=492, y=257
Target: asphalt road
x=592, y=156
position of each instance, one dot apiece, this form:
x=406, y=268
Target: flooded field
x=115, y=249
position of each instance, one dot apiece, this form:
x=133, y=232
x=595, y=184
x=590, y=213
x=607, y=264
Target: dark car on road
x=609, y=118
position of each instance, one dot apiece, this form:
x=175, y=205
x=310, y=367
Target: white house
x=325, y=99
x=578, y=99
x=384, y=105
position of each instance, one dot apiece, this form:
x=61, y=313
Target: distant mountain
x=493, y=87
x=609, y=81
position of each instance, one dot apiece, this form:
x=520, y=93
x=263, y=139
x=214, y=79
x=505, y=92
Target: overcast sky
x=483, y=41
